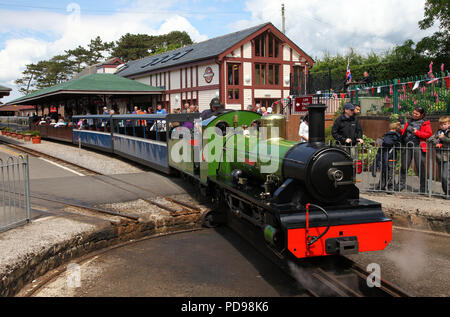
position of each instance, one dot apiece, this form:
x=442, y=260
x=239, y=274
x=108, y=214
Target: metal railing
x=15, y=123
x=14, y=192
x=405, y=168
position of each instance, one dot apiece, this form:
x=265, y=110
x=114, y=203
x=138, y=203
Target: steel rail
x=346, y=279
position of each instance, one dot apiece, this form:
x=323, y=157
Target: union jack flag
x=349, y=73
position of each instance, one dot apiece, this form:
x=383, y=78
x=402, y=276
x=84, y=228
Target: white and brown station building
x=242, y=68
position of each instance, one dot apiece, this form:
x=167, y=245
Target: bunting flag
x=373, y=91
x=410, y=84
x=416, y=85
x=404, y=89
x=432, y=80
x=442, y=67
x=342, y=96
x=447, y=82
x=390, y=90
x=379, y=90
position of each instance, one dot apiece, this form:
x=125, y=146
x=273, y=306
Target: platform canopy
x=94, y=84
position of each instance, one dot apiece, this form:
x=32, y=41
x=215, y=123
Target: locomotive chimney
x=316, y=123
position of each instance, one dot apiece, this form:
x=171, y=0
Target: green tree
x=438, y=44
x=99, y=50
x=135, y=46
x=32, y=74
x=79, y=58
x=56, y=70
x=132, y=46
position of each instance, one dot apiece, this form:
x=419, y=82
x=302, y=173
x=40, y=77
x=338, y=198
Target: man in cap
x=214, y=106
x=346, y=128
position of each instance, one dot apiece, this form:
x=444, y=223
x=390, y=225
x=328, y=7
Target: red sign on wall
x=301, y=103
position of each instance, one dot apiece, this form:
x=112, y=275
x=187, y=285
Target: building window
x=267, y=74
x=233, y=75
x=267, y=45
x=233, y=94
x=298, y=80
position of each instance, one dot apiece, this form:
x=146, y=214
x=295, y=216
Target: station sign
x=301, y=103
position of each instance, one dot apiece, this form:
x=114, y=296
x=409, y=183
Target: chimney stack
x=316, y=123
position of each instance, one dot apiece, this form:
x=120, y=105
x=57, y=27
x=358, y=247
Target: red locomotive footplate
x=371, y=237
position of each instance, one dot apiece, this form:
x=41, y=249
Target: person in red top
x=414, y=136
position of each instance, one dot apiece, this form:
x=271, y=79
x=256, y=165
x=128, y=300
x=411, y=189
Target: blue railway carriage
x=93, y=131
x=141, y=138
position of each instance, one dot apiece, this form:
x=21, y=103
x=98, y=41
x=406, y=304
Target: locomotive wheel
x=213, y=219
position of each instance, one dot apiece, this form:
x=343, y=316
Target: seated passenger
x=42, y=122
x=188, y=124
x=80, y=124
x=60, y=123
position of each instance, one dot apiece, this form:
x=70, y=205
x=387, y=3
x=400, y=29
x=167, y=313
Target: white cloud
x=63, y=31
x=335, y=25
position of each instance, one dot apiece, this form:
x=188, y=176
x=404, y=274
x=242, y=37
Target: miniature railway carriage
x=299, y=198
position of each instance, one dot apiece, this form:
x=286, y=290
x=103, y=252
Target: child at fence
x=387, y=156
x=441, y=140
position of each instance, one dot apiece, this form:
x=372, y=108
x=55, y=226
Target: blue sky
x=31, y=31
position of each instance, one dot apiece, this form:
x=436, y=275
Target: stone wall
x=15, y=277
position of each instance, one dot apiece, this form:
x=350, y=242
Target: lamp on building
x=177, y=98
x=286, y=80
x=247, y=79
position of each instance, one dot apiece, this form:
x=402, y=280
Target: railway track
x=338, y=276
x=174, y=206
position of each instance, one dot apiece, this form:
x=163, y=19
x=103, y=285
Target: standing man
x=186, y=107
x=357, y=110
x=303, y=131
x=366, y=80
x=346, y=128
x=258, y=108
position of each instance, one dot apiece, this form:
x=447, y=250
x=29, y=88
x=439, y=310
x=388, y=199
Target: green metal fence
x=401, y=96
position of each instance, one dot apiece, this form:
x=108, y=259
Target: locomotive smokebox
x=316, y=123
